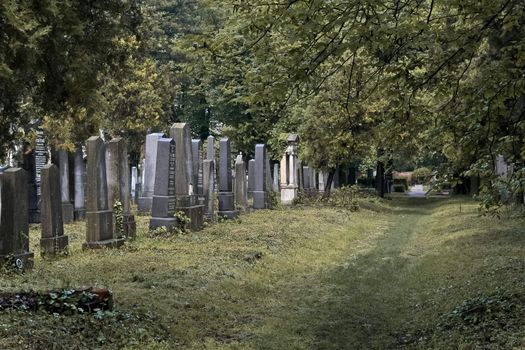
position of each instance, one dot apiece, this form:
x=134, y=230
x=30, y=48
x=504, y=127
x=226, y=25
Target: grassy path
x=386, y=277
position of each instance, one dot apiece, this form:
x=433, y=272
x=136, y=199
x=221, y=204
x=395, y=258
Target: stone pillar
x=323, y=176
x=240, y=188
x=53, y=240
x=210, y=150
x=14, y=224
x=289, y=171
x=117, y=174
x=208, y=179
x=226, y=199
x=276, y=187
x=99, y=218
x=163, y=204
x=67, y=207
x=306, y=178
x=260, y=192
x=150, y=155
x=134, y=179
x=187, y=201
x=80, y=177
x=196, y=150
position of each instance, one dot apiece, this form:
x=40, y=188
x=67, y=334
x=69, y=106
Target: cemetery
x=262, y=175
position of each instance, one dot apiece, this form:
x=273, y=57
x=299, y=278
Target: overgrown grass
x=396, y=274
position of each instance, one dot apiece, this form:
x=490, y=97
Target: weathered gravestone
x=53, y=240
x=164, y=201
x=208, y=179
x=226, y=199
x=240, y=188
x=187, y=201
x=117, y=172
x=33, y=163
x=210, y=150
x=260, y=191
x=275, y=178
x=80, y=183
x=196, y=150
x=14, y=225
x=99, y=217
x=289, y=174
x=148, y=183
x=134, y=183
x=251, y=176
x=67, y=206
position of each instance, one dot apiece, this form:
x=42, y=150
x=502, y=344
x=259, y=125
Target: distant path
x=416, y=191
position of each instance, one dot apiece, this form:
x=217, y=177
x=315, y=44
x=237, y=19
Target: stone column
x=240, y=188
x=117, y=174
x=67, y=207
x=210, y=150
x=14, y=224
x=163, y=205
x=251, y=176
x=226, y=199
x=134, y=179
x=289, y=168
x=99, y=218
x=80, y=175
x=187, y=201
x=276, y=187
x=196, y=150
x=150, y=154
x=260, y=192
x=208, y=178
x=53, y=240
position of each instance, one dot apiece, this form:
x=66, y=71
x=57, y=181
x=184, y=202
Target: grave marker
x=148, y=183
x=226, y=200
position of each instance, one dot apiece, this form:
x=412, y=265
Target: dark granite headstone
x=260, y=193
x=80, y=184
x=146, y=197
x=36, y=161
x=251, y=176
x=14, y=225
x=226, y=200
x=67, y=206
x=99, y=217
x=117, y=172
x=187, y=201
x=53, y=240
x=164, y=202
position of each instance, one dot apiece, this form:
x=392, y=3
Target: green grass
x=385, y=277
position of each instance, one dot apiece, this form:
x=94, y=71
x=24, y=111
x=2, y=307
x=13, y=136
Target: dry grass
x=327, y=278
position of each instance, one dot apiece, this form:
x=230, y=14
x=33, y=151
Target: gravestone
x=187, y=201
x=210, y=150
x=148, y=181
x=251, y=176
x=117, y=173
x=67, y=206
x=260, y=191
x=33, y=163
x=80, y=184
x=99, y=217
x=53, y=240
x=275, y=178
x=164, y=201
x=323, y=177
x=306, y=178
x=196, y=150
x=226, y=199
x=14, y=225
x=240, y=188
x=268, y=175
x=208, y=179
x=289, y=171
x=134, y=182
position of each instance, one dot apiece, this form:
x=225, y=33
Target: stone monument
x=150, y=155
x=289, y=171
x=67, y=206
x=260, y=191
x=240, y=188
x=226, y=200
x=80, y=179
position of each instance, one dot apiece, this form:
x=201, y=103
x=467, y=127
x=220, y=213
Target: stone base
x=228, y=214
x=99, y=226
x=129, y=226
x=54, y=245
x=288, y=195
x=260, y=200
x=144, y=204
x=226, y=202
x=109, y=243
x=169, y=223
x=22, y=261
x=34, y=216
x=67, y=212
x=79, y=214
x=196, y=215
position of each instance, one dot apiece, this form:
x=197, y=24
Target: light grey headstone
x=208, y=177
x=196, y=149
x=80, y=177
x=276, y=177
x=260, y=194
x=210, y=151
x=240, y=188
x=148, y=182
x=226, y=199
x=251, y=175
x=180, y=132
